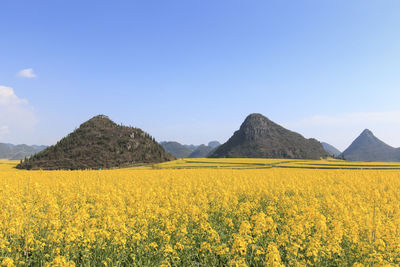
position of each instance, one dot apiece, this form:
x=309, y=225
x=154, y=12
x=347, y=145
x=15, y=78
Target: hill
x=178, y=150
x=189, y=151
x=99, y=143
x=18, y=152
x=202, y=151
x=331, y=150
x=214, y=144
x=259, y=137
x=367, y=147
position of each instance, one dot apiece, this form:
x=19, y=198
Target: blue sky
x=191, y=71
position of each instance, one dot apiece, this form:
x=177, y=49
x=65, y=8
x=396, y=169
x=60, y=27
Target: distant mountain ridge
x=18, y=152
x=202, y=151
x=189, y=151
x=259, y=137
x=176, y=149
x=367, y=147
x=332, y=151
x=99, y=143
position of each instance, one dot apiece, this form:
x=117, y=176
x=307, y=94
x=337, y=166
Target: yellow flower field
x=199, y=217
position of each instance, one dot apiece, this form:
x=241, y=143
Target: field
x=203, y=212
x=235, y=163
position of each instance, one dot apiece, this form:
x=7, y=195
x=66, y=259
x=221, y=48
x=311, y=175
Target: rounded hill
x=99, y=143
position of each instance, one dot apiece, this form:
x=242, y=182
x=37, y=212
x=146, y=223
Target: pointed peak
x=255, y=119
x=99, y=120
x=367, y=133
x=368, y=147
x=262, y=138
x=259, y=122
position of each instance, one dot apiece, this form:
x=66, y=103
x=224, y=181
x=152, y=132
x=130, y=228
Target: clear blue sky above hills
x=191, y=71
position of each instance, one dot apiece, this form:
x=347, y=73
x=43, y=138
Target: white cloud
x=8, y=97
x=340, y=130
x=17, y=118
x=26, y=73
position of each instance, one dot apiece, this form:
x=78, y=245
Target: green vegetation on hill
x=258, y=137
x=99, y=143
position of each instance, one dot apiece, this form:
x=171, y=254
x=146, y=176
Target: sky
x=191, y=71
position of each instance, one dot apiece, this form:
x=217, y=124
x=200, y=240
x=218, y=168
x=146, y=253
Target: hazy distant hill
x=176, y=149
x=214, y=144
x=201, y=151
x=332, y=151
x=99, y=143
x=189, y=151
x=367, y=147
x=17, y=152
x=191, y=147
x=258, y=137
